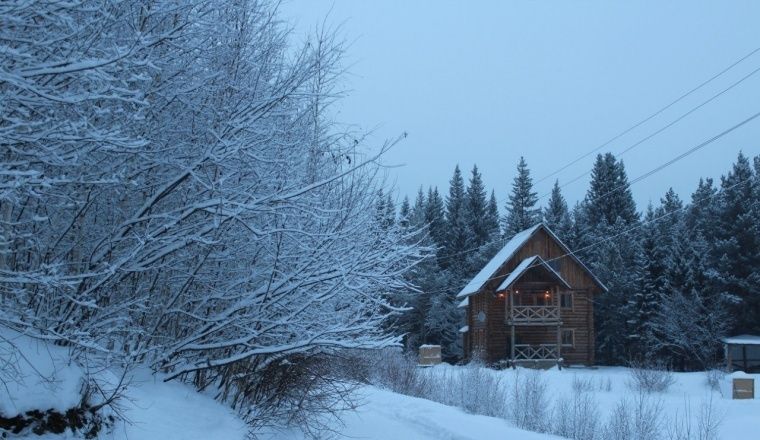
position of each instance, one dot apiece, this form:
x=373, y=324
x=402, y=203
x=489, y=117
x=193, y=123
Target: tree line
x=681, y=274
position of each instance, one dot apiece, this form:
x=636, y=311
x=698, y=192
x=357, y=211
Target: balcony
x=543, y=352
x=533, y=315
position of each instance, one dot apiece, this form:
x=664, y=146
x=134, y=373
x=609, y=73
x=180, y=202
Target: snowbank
x=36, y=375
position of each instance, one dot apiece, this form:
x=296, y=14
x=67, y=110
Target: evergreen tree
x=609, y=195
x=557, y=215
x=390, y=212
x=477, y=211
x=737, y=246
x=521, y=208
x=435, y=219
x=405, y=214
x=456, y=225
x=651, y=285
x=492, y=218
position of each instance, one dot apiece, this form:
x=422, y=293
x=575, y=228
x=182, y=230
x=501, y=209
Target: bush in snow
x=576, y=416
x=715, y=377
x=474, y=388
x=639, y=419
x=397, y=370
x=650, y=377
x=529, y=407
x=685, y=425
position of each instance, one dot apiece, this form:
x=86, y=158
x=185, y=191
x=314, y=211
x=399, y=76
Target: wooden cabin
x=533, y=303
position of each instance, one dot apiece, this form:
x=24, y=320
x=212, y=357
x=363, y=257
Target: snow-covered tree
x=173, y=192
x=556, y=213
x=522, y=212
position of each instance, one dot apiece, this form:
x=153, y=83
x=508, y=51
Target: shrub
x=651, y=377
x=714, y=378
x=529, y=409
x=637, y=420
x=684, y=426
x=576, y=417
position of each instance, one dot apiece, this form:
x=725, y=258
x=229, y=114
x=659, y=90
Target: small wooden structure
x=429, y=355
x=742, y=353
x=532, y=304
x=743, y=388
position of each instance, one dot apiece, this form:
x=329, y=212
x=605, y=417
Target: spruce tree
x=456, y=224
x=404, y=214
x=477, y=211
x=521, y=207
x=609, y=195
x=435, y=219
x=737, y=246
x=492, y=218
x=556, y=214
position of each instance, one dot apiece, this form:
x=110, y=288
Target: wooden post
x=512, y=328
x=744, y=356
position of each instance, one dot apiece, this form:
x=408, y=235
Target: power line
x=650, y=117
x=672, y=123
x=637, y=179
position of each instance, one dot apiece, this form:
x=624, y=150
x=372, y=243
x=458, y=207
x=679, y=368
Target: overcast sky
x=549, y=80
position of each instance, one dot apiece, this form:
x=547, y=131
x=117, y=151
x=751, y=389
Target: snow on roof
x=465, y=302
x=743, y=340
x=502, y=256
x=525, y=265
x=464, y=329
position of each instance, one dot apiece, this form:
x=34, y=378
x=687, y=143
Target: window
x=566, y=300
x=568, y=338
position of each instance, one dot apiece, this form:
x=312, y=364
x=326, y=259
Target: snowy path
x=389, y=416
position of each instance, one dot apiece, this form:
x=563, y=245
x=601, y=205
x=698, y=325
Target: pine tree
x=609, y=195
x=477, y=211
x=390, y=212
x=456, y=224
x=556, y=214
x=521, y=210
x=405, y=214
x=651, y=285
x=435, y=219
x=492, y=218
x=737, y=246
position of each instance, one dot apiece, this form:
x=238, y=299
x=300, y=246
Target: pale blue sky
x=487, y=82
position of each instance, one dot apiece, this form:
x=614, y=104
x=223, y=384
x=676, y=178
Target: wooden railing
x=534, y=314
x=524, y=352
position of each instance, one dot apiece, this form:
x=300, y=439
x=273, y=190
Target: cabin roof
x=524, y=266
x=464, y=303
x=508, y=251
x=743, y=340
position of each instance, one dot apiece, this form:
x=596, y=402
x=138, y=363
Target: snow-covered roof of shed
x=503, y=255
x=743, y=340
x=524, y=266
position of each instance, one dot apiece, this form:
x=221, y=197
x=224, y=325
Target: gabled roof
x=502, y=256
x=508, y=251
x=528, y=263
x=742, y=340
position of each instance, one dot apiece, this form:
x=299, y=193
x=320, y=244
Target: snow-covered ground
x=156, y=410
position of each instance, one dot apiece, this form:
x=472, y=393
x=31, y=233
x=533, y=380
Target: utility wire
x=672, y=123
x=637, y=179
x=650, y=117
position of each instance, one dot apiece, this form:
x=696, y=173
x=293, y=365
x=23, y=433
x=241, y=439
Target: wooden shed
x=742, y=353
x=532, y=303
